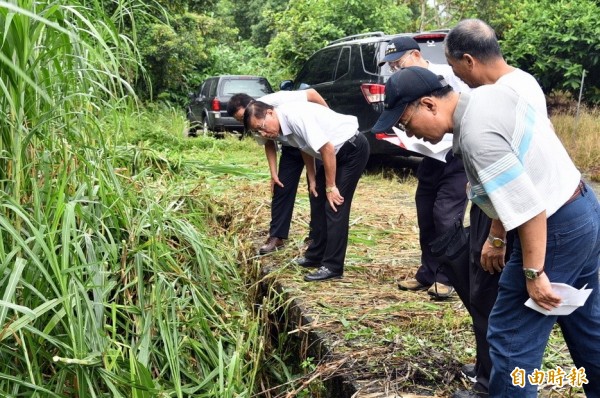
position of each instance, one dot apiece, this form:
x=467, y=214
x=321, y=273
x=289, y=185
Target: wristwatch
x=532, y=273
x=330, y=189
x=496, y=242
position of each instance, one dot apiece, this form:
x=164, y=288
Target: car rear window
x=252, y=87
x=432, y=47
x=370, y=56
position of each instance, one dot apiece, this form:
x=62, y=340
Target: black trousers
x=483, y=288
x=291, y=165
x=330, y=227
x=441, y=200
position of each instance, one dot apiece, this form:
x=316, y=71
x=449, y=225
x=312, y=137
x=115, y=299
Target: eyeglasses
x=396, y=65
x=260, y=129
x=404, y=125
x=262, y=126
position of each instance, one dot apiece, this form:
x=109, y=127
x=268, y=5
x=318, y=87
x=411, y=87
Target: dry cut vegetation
x=384, y=341
x=579, y=131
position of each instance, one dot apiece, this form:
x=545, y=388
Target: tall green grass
x=110, y=284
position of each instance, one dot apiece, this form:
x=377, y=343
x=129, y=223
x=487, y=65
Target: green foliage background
x=554, y=40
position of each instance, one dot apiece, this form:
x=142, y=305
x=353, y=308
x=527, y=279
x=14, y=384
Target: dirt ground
x=388, y=342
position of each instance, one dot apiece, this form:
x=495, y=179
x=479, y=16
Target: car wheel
x=193, y=130
x=193, y=124
x=205, y=126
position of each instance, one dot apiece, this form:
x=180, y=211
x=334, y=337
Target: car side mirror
x=286, y=85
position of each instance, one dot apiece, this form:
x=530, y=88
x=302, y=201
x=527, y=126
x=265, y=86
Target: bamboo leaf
x=10, y=289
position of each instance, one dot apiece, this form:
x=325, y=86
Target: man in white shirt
x=334, y=139
x=440, y=197
x=285, y=180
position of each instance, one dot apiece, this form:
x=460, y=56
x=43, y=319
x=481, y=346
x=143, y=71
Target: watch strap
x=496, y=242
x=533, y=273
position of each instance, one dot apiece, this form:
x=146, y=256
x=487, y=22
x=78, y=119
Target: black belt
x=578, y=191
x=352, y=139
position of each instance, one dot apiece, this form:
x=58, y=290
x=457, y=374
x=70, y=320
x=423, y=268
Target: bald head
x=474, y=37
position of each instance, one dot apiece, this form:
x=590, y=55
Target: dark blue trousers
x=331, y=228
x=291, y=165
x=441, y=200
x=518, y=335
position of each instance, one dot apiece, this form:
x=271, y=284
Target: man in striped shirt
x=473, y=52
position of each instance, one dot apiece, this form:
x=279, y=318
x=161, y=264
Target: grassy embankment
x=372, y=325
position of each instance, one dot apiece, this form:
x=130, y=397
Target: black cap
x=402, y=88
x=397, y=47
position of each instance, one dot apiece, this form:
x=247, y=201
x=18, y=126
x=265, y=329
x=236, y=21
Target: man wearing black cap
x=440, y=197
x=521, y=175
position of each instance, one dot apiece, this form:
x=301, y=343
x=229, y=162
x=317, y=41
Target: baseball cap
x=397, y=47
x=402, y=88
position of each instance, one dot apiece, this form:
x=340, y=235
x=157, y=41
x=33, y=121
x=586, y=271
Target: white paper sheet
x=437, y=151
x=571, y=299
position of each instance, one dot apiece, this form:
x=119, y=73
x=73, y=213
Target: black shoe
x=305, y=262
x=322, y=274
x=468, y=372
x=469, y=394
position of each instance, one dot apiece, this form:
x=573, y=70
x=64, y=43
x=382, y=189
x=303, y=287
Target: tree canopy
x=188, y=40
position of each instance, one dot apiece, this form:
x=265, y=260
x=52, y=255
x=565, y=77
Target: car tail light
x=373, y=92
x=215, y=105
x=430, y=36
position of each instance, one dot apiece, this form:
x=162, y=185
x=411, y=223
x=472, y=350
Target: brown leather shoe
x=272, y=244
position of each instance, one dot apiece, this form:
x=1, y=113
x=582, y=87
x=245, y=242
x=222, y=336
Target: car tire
x=205, y=127
x=192, y=131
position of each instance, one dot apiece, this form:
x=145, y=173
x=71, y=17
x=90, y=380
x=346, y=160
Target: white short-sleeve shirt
x=308, y=126
x=278, y=98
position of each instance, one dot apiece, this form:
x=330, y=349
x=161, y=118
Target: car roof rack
x=357, y=36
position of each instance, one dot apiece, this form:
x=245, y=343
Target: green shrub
x=556, y=41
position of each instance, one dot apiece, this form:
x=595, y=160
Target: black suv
x=207, y=109
x=347, y=75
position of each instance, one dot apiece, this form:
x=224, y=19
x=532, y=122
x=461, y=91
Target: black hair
x=439, y=93
x=473, y=37
x=256, y=109
x=237, y=102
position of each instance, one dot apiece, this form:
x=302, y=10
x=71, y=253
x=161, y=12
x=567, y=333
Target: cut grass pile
x=384, y=340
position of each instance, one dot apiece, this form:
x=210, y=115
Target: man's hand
x=312, y=188
x=334, y=198
x=541, y=292
x=492, y=258
x=275, y=180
